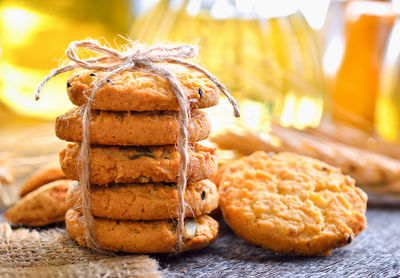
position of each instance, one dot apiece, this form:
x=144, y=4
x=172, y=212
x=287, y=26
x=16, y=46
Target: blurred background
x=302, y=70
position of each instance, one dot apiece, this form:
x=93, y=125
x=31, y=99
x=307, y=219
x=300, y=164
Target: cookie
x=140, y=163
x=43, y=206
x=44, y=175
x=140, y=90
x=216, y=179
x=143, y=236
x=291, y=204
x=131, y=128
x=154, y=201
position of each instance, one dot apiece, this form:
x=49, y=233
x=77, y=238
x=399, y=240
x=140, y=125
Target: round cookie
x=140, y=163
x=131, y=128
x=291, y=204
x=143, y=236
x=146, y=201
x=141, y=90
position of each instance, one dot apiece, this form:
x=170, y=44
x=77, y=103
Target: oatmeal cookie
x=41, y=207
x=154, y=201
x=216, y=179
x=291, y=204
x=143, y=236
x=140, y=90
x=140, y=163
x=42, y=176
x=132, y=128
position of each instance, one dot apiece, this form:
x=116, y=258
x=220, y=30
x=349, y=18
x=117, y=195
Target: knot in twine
x=114, y=62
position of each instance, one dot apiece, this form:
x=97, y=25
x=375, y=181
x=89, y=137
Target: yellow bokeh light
x=288, y=113
x=18, y=24
x=301, y=112
x=309, y=113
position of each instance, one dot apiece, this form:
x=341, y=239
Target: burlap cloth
x=50, y=253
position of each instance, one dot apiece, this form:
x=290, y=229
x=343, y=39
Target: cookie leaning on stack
x=132, y=141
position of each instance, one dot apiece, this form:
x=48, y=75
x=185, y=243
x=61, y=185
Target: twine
x=114, y=62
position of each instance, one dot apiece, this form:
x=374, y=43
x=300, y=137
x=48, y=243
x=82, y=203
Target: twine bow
x=114, y=62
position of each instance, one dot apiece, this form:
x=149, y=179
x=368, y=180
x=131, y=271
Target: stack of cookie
x=134, y=162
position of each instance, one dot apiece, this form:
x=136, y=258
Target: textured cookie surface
x=142, y=91
x=41, y=207
x=291, y=204
x=146, y=201
x=216, y=179
x=143, y=236
x=41, y=177
x=131, y=128
x=140, y=164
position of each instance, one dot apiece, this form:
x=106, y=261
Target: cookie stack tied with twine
x=142, y=178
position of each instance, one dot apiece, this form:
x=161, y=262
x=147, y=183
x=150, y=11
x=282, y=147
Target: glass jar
x=263, y=51
x=356, y=33
x=388, y=104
